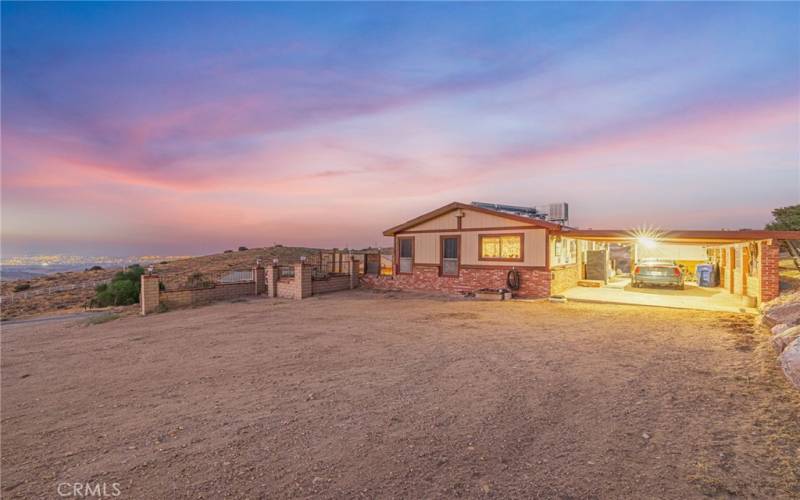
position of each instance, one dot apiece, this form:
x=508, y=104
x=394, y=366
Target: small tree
x=785, y=219
x=123, y=289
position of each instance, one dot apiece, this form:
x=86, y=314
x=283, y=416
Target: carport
x=745, y=267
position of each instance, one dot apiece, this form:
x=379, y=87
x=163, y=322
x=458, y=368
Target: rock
x=645, y=435
x=784, y=313
x=790, y=362
x=782, y=340
x=780, y=328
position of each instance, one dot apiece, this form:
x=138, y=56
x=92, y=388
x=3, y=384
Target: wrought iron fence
x=195, y=280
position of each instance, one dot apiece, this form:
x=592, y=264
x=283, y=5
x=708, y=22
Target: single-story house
x=463, y=248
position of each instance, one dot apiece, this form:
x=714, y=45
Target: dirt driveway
x=398, y=395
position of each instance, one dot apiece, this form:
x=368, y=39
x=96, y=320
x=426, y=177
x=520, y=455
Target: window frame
x=521, y=237
x=399, y=253
x=443, y=237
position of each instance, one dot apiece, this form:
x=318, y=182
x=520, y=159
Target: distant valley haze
x=191, y=128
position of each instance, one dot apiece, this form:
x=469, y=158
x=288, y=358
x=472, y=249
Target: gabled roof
x=456, y=205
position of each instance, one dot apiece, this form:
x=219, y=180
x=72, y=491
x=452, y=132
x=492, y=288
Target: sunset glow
x=192, y=128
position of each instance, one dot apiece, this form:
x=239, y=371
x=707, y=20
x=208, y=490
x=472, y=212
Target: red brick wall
x=770, y=270
x=534, y=283
x=180, y=298
x=331, y=284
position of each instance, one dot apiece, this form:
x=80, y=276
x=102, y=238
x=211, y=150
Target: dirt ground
x=381, y=395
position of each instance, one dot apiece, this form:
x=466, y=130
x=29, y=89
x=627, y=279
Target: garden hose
x=512, y=280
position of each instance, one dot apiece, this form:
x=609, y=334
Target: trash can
x=705, y=275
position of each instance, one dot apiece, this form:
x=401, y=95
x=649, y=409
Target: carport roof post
x=683, y=235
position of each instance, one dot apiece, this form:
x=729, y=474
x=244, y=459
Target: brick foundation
x=769, y=256
x=534, y=283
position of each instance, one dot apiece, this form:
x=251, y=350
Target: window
x=501, y=247
x=564, y=251
x=406, y=255
x=450, y=255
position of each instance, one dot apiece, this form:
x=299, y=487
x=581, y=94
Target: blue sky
x=188, y=128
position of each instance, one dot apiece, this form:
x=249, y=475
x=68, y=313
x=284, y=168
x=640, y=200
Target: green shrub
x=123, y=289
x=21, y=287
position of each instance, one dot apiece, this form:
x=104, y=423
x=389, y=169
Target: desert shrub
x=164, y=262
x=123, y=289
x=95, y=268
x=228, y=251
x=21, y=287
x=242, y=249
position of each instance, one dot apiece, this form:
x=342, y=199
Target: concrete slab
x=693, y=297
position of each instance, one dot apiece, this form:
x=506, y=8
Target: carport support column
x=302, y=281
x=148, y=293
x=273, y=273
x=354, y=272
x=258, y=277
x=770, y=269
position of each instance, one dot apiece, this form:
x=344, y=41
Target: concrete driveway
x=693, y=297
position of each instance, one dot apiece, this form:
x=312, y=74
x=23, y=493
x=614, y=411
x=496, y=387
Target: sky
x=190, y=128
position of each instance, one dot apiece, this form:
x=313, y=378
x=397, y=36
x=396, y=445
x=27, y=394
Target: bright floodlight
x=646, y=242
x=646, y=236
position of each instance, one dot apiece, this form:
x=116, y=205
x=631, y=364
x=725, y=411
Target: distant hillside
x=69, y=291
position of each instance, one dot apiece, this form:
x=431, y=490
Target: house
x=463, y=247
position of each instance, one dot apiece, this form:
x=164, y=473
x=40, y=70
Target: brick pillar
x=273, y=273
x=769, y=257
x=302, y=281
x=258, y=277
x=353, y=272
x=148, y=294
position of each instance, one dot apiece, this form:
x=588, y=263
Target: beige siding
x=426, y=248
x=446, y=221
x=473, y=219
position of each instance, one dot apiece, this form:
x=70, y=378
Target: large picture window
x=503, y=247
x=450, y=255
x=406, y=255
